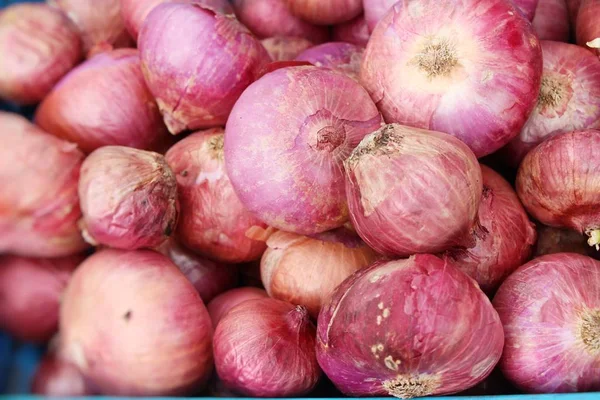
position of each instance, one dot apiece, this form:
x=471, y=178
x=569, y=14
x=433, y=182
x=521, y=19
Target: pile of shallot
x=288, y=198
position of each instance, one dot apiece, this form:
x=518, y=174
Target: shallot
x=587, y=27
x=39, y=45
x=285, y=143
x=355, y=31
x=408, y=328
x=449, y=66
x=342, y=56
x=266, y=348
x=551, y=21
x=325, y=12
x=223, y=303
x=399, y=209
x=285, y=48
x=550, y=310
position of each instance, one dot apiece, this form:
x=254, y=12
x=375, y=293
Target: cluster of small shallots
x=275, y=198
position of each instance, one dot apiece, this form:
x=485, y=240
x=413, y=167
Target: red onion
x=325, y=12
x=550, y=311
x=573, y=6
x=556, y=240
x=503, y=238
x=30, y=291
x=128, y=198
x=354, y=31
x=344, y=57
x=55, y=377
x=134, y=12
x=408, y=328
x=285, y=48
x=38, y=45
x=223, y=303
x=285, y=143
x=134, y=325
x=588, y=29
x=39, y=206
x=551, y=21
x=267, y=18
x=216, y=59
x=450, y=66
x=99, y=22
x=266, y=348
x=568, y=98
x=208, y=277
x=305, y=270
x=428, y=209
x=104, y=102
x=558, y=185
x=213, y=221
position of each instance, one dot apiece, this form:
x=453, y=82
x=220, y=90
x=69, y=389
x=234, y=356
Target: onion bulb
x=305, y=270
x=448, y=66
x=266, y=348
x=354, y=31
x=344, y=57
x=551, y=21
x=558, y=183
x=400, y=210
x=588, y=29
x=285, y=143
x=223, y=303
x=285, y=48
x=325, y=12
x=39, y=45
x=125, y=306
x=408, y=328
x=550, y=310
x=57, y=378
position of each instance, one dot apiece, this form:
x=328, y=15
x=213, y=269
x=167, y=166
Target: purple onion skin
x=266, y=348
x=344, y=57
x=285, y=48
x=551, y=20
x=550, y=309
x=446, y=335
x=325, y=12
x=128, y=198
x=39, y=45
x=285, y=143
x=355, y=31
x=197, y=63
x=225, y=302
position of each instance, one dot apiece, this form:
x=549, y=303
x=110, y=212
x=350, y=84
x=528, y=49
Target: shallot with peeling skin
x=355, y=31
x=135, y=326
x=550, y=310
x=587, y=27
x=400, y=210
x=128, y=198
x=266, y=348
x=57, y=378
x=38, y=195
x=448, y=66
x=103, y=102
x=285, y=48
x=213, y=221
x=408, y=328
x=503, y=237
x=305, y=270
x=344, y=57
x=223, y=303
x=285, y=143
x=558, y=183
x=568, y=98
x=39, y=45
x=551, y=21
x=216, y=59
x=325, y=12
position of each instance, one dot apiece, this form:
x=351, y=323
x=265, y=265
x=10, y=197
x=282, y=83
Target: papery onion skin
x=266, y=348
x=125, y=306
x=557, y=182
x=424, y=56
x=208, y=277
x=551, y=21
x=447, y=336
x=354, y=31
x=427, y=210
x=344, y=57
x=217, y=58
x=550, y=310
x=55, y=377
x=225, y=302
x=504, y=236
x=213, y=221
x=128, y=198
x=557, y=240
x=39, y=206
x=587, y=27
x=134, y=12
x=104, y=102
x=39, y=46
x=305, y=270
x=268, y=18
x=568, y=99
x=30, y=289
x=285, y=48
x=284, y=157
x=325, y=12
x=99, y=22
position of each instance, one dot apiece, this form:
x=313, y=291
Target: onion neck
x=589, y=330
x=594, y=238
